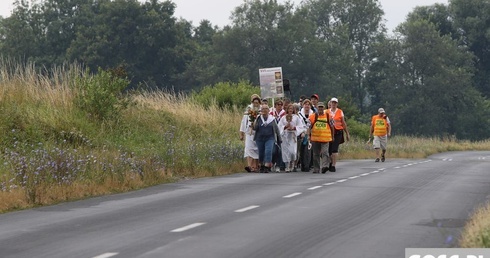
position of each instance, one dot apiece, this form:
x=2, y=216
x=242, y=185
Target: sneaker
x=267, y=170
x=248, y=169
x=332, y=169
x=377, y=160
x=324, y=170
x=278, y=170
x=262, y=169
x=382, y=158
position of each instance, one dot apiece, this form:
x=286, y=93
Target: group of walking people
x=304, y=135
x=291, y=136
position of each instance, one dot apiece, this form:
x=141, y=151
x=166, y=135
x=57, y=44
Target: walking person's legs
x=316, y=151
x=268, y=152
x=261, y=148
x=377, y=146
x=383, y=143
x=325, y=158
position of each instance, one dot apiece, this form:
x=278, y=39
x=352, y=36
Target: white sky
x=219, y=11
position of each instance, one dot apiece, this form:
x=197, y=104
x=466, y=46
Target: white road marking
x=397, y=167
x=365, y=174
x=247, y=208
x=315, y=187
x=291, y=195
x=191, y=226
x=341, y=180
x=374, y=172
x=106, y=255
x=353, y=177
x=327, y=184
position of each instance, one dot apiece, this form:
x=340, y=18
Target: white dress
x=251, y=149
x=289, y=137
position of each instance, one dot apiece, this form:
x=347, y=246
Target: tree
x=141, y=38
x=354, y=25
x=21, y=32
x=472, y=19
x=435, y=84
x=437, y=14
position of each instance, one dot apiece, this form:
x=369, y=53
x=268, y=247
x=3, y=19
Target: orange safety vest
x=320, y=131
x=380, y=125
x=337, y=119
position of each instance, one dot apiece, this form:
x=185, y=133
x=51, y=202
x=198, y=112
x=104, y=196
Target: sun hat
x=254, y=96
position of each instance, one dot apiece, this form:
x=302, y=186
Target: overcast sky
x=219, y=11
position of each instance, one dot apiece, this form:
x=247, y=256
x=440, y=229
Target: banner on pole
x=271, y=83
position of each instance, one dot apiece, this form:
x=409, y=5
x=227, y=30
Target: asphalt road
x=365, y=209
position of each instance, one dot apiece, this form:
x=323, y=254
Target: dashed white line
x=315, y=187
x=191, y=226
x=106, y=255
x=291, y=195
x=353, y=177
x=332, y=183
x=341, y=180
x=247, y=208
x=365, y=174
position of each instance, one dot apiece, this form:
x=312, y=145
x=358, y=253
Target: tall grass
x=476, y=233
x=51, y=150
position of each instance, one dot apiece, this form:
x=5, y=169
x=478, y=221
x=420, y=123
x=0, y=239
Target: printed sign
x=271, y=83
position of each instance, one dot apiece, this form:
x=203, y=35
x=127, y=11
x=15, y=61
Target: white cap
x=381, y=110
x=334, y=100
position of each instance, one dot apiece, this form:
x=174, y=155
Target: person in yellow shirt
x=321, y=134
x=381, y=130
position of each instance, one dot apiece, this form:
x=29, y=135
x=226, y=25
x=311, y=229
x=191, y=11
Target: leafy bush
x=101, y=95
x=226, y=94
x=358, y=129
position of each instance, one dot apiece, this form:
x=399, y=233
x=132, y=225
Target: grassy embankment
x=54, y=151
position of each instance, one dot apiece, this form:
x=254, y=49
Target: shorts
x=380, y=142
x=334, y=145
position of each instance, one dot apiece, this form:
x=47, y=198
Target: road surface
x=365, y=209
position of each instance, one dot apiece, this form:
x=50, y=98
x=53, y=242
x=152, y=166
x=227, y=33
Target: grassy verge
x=476, y=233
x=53, y=147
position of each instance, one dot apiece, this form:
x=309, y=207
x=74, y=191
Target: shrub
x=358, y=129
x=225, y=94
x=101, y=95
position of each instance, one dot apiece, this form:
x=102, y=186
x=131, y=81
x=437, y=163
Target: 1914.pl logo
x=447, y=253
x=446, y=256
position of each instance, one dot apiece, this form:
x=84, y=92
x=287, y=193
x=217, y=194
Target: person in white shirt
x=251, y=152
x=290, y=127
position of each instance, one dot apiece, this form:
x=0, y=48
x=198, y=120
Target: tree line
x=432, y=74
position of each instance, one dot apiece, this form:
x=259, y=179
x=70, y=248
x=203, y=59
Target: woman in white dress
x=290, y=127
x=251, y=152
